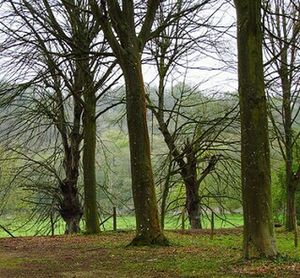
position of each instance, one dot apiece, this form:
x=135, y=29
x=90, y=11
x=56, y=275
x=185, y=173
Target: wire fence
x=119, y=221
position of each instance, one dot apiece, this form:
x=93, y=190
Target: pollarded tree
x=81, y=35
x=41, y=94
x=195, y=155
x=256, y=179
x=196, y=132
x=68, y=69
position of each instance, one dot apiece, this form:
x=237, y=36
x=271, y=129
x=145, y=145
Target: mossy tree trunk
x=92, y=224
x=84, y=32
x=89, y=171
x=89, y=163
x=143, y=189
x=118, y=25
x=259, y=237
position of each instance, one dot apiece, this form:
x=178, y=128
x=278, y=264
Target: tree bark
x=290, y=224
x=146, y=212
x=70, y=206
x=259, y=237
x=89, y=164
x=87, y=83
x=70, y=210
x=193, y=205
x=192, y=187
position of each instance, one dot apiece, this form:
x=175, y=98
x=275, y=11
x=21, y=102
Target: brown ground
x=107, y=256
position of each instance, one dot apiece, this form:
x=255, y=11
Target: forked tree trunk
x=146, y=212
x=259, y=237
x=70, y=206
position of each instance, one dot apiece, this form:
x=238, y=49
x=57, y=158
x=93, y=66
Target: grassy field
x=128, y=222
x=123, y=223
x=191, y=254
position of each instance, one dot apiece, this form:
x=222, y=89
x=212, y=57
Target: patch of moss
x=10, y=262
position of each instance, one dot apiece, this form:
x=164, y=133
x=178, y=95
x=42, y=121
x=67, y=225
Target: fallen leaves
x=191, y=254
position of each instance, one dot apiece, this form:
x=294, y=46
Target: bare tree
x=67, y=69
x=195, y=155
x=282, y=34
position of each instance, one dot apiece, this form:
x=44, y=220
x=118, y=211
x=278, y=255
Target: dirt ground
x=191, y=254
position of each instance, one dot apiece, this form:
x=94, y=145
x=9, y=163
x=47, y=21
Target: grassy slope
x=191, y=254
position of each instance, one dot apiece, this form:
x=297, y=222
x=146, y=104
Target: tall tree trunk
x=89, y=164
x=288, y=135
x=119, y=26
x=256, y=179
x=146, y=212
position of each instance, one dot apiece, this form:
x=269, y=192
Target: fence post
x=114, y=219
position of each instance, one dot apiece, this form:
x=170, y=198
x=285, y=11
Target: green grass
x=191, y=254
x=175, y=222
x=123, y=223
